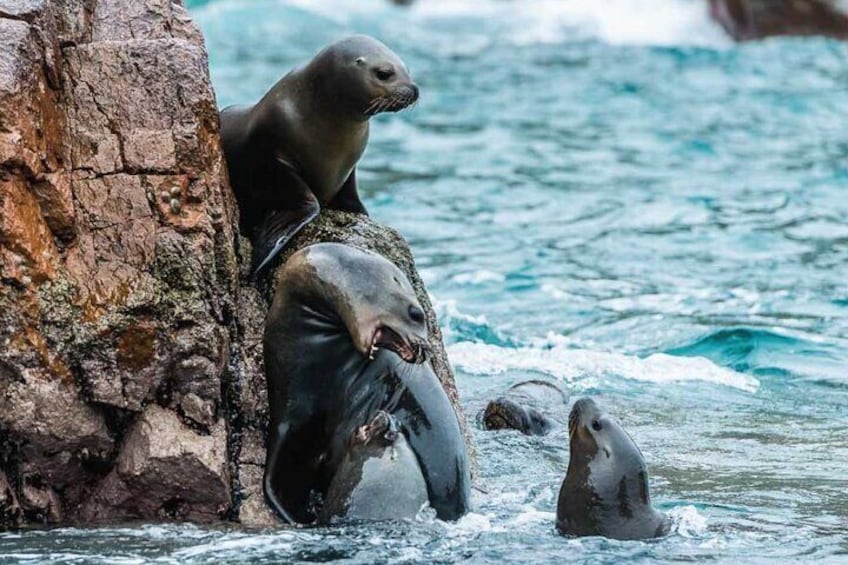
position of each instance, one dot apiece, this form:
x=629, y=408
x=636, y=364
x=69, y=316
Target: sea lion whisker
x=374, y=103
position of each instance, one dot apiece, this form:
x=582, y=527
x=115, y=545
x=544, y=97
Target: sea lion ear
x=360, y=61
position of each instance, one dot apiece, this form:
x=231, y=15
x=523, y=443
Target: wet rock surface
x=746, y=20
x=131, y=380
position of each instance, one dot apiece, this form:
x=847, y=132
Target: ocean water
x=612, y=196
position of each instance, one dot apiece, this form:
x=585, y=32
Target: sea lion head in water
x=532, y=407
x=605, y=491
x=364, y=76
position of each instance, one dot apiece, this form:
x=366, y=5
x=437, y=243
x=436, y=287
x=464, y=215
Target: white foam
x=236, y=543
x=523, y=22
x=477, y=277
x=587, y=368
x=687, y=521
x=642, y=22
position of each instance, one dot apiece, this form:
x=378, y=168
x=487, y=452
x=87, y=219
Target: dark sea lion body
x=296, y=150
x=379, y=477
x=533, y=407
x=605, y=491
x=333, y=305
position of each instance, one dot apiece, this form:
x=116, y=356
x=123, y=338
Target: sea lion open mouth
x=411, y=352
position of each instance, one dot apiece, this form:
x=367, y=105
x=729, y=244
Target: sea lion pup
x=379, y=477
x=532, y=407
x=605, y=491
x=345, y=338
x=296, y=149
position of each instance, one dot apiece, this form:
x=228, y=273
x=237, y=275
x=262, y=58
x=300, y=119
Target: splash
x=582, y=367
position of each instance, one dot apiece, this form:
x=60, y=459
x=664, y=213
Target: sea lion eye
x=416, y=314
x=384, y=74
x=596, y=425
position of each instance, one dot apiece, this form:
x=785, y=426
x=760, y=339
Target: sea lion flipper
x=347, y=199
x=273, y=462
x=277, y=229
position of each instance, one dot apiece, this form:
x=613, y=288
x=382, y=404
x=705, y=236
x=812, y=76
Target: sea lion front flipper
x=276, y=479
x=347, y=198
x=278, y=227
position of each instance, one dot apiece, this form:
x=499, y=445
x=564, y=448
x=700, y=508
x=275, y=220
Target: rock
x=41, y=503
x=165, y=470
x=131, y=378
x=112, y=309
x=746, y=20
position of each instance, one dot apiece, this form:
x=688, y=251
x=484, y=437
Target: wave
x=582, y=367
x=459, y=326
x=771, y=351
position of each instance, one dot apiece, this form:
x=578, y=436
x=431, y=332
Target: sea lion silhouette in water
x=344, y=339
x=605, y=491
x=532, y=407
x=379, y=477
x=296, y=150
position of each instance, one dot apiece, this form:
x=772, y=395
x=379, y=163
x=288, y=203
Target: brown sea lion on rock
x=296, y=150
x=605, y=491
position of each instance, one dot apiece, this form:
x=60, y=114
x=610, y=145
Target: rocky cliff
x=131, y=384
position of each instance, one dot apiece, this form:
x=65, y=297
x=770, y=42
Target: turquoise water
x=612, y=196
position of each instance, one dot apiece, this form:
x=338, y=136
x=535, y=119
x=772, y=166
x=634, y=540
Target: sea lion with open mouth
x=344, y=339
x=533, y=407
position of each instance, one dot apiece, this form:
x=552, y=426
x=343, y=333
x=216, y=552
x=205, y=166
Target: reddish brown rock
x=112, y=308
x=746, y=20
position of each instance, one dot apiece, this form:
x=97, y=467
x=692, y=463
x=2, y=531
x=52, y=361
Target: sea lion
x=296, y=150
x=605, y=491
x=532, y=407
x=379, y=477
x=345, y=338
